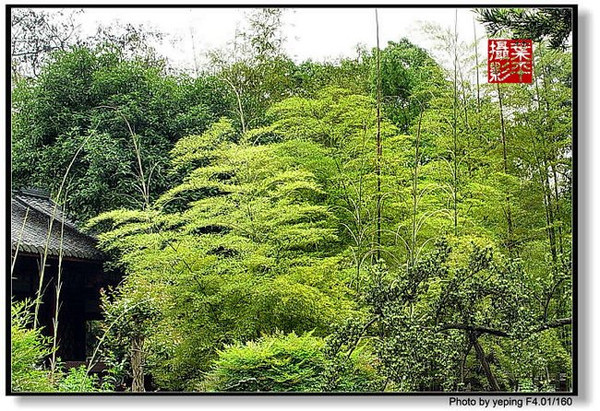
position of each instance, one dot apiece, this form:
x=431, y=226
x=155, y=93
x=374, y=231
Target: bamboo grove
x=385, y=223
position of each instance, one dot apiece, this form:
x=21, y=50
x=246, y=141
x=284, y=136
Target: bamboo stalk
x=57, y=305
x=454, y=129
x=379, y=148
x=44, y=258
x=509, y=221
x=14, y=261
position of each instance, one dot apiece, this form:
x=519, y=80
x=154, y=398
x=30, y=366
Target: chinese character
x=499, y=49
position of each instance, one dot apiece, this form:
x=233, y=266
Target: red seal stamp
x=510, y=61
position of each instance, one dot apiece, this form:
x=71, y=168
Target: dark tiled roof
x=31, y=234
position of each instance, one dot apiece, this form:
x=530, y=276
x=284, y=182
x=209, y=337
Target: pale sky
x=312, y=33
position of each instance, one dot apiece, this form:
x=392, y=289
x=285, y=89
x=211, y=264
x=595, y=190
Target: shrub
x=289, y=363
x=29, y=351
x=29, y=348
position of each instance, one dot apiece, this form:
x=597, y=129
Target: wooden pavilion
x=82, y=276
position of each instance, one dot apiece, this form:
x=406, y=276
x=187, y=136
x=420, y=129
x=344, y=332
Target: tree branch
x=554, y=324
x=472, y=328
x=499, y=333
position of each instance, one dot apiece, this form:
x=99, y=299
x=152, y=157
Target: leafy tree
x=352, y=74
x=245, y=240
x=345, y=123
x=252, y=86
x=253, y=68
x=551, y=24
x=499, y=295
x=132, y=41
x=35, y=34
x=264, y=38
x=471, y=309
x=111, y=110
x=409, y=78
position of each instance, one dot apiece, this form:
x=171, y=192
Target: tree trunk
x=137, y=364
x=486, y=366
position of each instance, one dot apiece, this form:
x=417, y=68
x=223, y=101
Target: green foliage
x=534, y=363
x=30, y=350
x=78, y=380
x=279, y=363
x=194, y=151
x=551, y=24
x=285, y=363
x=246, y=240
x=92, y=100
x=350, y=74
x=451, y=296
x=409, y=78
